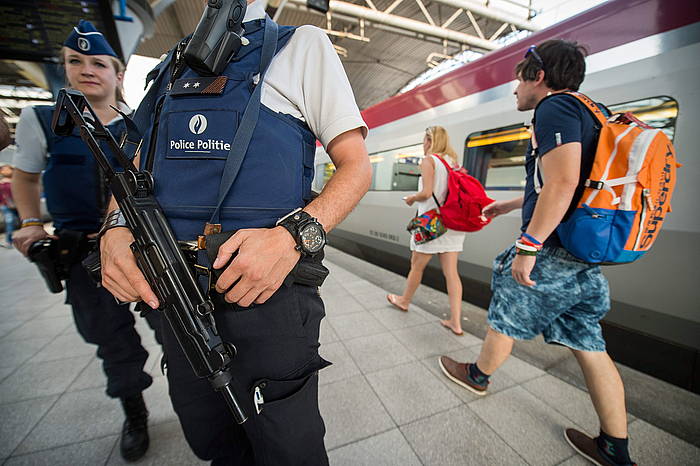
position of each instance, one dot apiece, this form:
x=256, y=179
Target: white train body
x=659, y=295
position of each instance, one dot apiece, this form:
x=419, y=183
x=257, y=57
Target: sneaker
x=459, y=373
x=588, y=447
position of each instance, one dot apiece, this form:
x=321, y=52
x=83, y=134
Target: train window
x=496, y=156
x=323, y=173
x=396, y=169
x=659, y=112
x=392, y=170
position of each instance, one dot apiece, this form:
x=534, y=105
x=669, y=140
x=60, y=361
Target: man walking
x=538, y=287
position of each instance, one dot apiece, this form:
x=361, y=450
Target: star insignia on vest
x=199, y=86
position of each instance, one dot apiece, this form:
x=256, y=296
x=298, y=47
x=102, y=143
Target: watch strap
x=294, y=222
x=114, y=219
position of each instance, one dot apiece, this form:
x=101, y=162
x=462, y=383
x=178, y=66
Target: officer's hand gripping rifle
x=156, y=250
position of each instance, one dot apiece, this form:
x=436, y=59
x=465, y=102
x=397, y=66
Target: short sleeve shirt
x=306, y=80
x=558, y=120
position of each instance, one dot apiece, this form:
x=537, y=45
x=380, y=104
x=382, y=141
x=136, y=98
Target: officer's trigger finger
x=147, y=295
x=227, y=249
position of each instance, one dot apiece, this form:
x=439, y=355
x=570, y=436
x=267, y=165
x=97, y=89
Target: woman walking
x=433, y=185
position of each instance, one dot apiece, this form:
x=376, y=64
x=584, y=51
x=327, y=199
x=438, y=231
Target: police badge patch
x=83, y=44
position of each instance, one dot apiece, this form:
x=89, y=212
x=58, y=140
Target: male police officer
x=275, y=326
x=538, y=287
x=76, y=201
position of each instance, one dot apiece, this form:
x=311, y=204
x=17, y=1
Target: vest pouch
x=73, y=204
x=271, y=181
x=309, y=154
x=596, y=236
x=67, y=159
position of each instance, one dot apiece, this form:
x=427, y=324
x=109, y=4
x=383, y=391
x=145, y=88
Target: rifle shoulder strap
x=244, y=134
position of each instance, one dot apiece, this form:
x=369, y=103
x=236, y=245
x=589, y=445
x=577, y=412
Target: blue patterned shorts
x=565, y=306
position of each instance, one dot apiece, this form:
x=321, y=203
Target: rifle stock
x=156, y=250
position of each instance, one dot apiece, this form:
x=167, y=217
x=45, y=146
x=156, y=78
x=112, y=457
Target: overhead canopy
x=383, y=44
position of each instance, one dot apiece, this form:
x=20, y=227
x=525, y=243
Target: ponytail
x=440, y=143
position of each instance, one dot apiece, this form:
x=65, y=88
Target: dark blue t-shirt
x=559, y=119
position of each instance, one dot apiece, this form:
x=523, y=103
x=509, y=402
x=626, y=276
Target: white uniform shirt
x=307, y=81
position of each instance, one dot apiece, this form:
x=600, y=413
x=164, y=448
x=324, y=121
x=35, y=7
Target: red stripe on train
x=606, y=26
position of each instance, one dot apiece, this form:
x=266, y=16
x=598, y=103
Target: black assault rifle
x=156, y=250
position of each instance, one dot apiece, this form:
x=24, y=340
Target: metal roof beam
x=401, y=22
x=490, y=12
x=381, y=27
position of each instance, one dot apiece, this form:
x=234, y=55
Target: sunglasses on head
x=532, y=50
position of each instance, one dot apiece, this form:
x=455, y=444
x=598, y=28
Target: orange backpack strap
x=590, y=105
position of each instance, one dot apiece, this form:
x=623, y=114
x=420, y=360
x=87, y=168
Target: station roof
x=383, y=44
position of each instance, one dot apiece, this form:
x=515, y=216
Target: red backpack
x=465, y=200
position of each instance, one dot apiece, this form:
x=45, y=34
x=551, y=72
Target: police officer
x=293, y=79
x=76, y=200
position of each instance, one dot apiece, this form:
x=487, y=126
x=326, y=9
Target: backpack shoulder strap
x=590, y=105
x=447, y=165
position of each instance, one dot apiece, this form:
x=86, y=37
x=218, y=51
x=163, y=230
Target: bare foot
x=398, y=302
x=456, y=329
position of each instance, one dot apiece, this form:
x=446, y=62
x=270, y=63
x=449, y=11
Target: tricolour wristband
x=526, y=247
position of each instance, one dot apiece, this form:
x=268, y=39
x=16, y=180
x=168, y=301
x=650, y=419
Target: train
x=644, y=57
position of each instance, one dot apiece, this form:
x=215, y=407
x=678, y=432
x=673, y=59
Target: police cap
x=87, y=40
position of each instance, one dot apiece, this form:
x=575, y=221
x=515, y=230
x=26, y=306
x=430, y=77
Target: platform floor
x=384, y=399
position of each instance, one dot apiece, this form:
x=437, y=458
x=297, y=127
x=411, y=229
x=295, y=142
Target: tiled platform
x=384, y=400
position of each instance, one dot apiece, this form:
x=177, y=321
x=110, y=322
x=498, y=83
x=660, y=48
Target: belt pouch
x=308, y=271
x=71, y=245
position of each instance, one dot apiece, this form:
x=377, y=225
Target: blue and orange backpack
x=627, y=194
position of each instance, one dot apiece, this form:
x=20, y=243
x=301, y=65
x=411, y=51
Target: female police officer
x=76, y=201
x=305, y=95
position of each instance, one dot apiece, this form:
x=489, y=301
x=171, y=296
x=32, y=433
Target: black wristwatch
x=306, y=231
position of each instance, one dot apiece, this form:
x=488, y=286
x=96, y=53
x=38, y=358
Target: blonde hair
x=116, y=64
x=440, y=143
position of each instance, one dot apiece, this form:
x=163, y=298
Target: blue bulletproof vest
x=76, y=197
x=194, y=136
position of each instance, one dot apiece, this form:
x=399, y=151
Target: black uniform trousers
x=110, y=326
x=277, y=345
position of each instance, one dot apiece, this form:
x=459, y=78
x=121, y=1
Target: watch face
x=312, y=238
